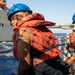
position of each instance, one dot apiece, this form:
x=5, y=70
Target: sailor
x=71, y=46
x=72, y=38
x=33, y=43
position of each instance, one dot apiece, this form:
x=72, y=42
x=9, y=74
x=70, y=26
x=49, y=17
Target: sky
x=58, y=11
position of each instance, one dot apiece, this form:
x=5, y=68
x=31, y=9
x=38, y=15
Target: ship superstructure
x=6, y=30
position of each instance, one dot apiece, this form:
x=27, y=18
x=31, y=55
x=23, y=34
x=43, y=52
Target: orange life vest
x=42, y=38
x=72, y=40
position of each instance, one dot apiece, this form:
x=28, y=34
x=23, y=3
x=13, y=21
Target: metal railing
x=66, y=52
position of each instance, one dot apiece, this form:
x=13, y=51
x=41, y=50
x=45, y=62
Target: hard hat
x=73, y=18
x=17, y=8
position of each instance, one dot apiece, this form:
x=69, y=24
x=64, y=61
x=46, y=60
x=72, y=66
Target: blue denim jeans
x=54, y=66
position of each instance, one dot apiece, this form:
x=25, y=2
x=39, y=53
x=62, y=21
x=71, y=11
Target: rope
x=51, y=47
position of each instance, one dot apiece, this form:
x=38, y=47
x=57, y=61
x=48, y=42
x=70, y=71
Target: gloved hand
x=71, y=60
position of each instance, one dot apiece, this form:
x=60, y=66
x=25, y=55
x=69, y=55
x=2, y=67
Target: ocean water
x=8, y=63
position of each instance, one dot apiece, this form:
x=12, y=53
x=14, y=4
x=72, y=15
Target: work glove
x=70, y=60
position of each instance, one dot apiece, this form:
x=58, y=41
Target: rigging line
x=51, y=47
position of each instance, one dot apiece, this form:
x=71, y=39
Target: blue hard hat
x=17, y=8
x=73, y=18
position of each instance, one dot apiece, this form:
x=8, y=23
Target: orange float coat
x=42, y=38
x=72, y=40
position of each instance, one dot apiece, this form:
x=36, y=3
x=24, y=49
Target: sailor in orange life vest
x=31, y=40
x=72, y=37
x=71, y=46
